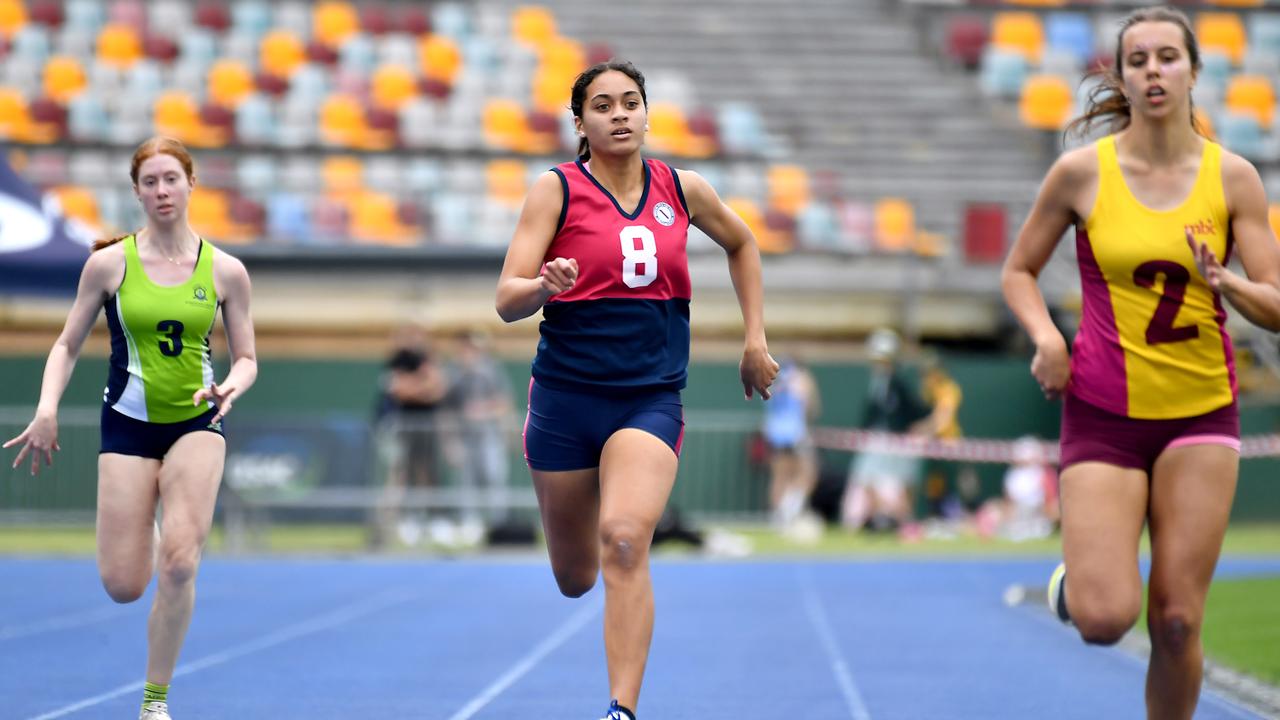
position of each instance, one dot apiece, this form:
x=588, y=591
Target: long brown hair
x=158, y=145
x=1107, y=101
x=578, y=98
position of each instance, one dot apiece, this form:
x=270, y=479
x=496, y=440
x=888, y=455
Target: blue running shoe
x=617, y=712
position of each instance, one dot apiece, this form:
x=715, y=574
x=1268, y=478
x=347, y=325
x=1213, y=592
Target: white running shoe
x=155, y=710
x=1058, y=594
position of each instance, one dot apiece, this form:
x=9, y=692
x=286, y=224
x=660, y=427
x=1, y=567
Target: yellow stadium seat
x=562, y=55
x=895, y=224
x=332, y=22
x=393, y=86
x=668, y=129
x=78, y=203
x=15, y=117
x=175, y=113
x=342, y=174
x=1020, y=32
x=506, y=181
x=374, y=220
x=341, y=121
x=533, y=25
x=13, y=16
x=788, y=188
x=281, y=52
x=1222, y=32
x=440, y=58
x=229, y=82
x=64, y=78
x=1237, y=3
x=1273, y=216
x=1252, y=94
x=505, y=125
x=119, y=45
x=1046, y=103
x=1037, y=3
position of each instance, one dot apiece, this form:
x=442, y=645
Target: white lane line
x=839, y=666
x=335, y=618
x=529, y=662
x=63, y=622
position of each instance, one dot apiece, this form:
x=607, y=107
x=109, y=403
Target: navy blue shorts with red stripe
x=567, y=430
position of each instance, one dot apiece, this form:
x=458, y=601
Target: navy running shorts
x=567, y=430
x=124, y=435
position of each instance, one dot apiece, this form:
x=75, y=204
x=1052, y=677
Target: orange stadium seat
x=175, y=113
x=341, y=121
x=505, y=125
x=1205, y=123
x=64, y=78
x=788, y=188
x=1222, y=32
x=505, y=181
x=754, y=218
x=333, y=21
x=209, y=213
x=119, y=45
x=281, y=52
x=342, y=174
x=13, y=16
x=895, y=220
x=668, y=129
x=393, y=86
x=1037, y=3
x=78, y=203
x=1252, y=95
x=375, y=219
x=1046, y=102
x=1020, y=32
x=440, y=58
x=533, y=25
x=551, y=93
x=228, y=82
x=1273, y=216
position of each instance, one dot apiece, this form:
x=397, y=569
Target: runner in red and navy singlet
x=600, y=249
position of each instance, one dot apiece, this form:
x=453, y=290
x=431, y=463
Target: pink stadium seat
x=413, y=20
x=47, y=12
x=376, y=18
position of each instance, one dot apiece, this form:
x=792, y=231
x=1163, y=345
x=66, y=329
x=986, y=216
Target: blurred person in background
x=943, y=395
x=793, y=459
x=600, y=248
x=1150, y=421
x=1028, y=507
x=409, y=426
x=484, y=394
x=878, y=493
x=163, y=445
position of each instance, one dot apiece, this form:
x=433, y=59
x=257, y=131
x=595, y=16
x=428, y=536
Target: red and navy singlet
x=624, y=325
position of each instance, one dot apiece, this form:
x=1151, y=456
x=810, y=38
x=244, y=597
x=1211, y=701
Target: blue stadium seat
x=143, y=82
x=288, y=219
x=424, y=176
x=30, y=44
x=1264, y=31
x=197, y=46
x=817, y=228
x=255, y=121
x=294, y=16
x=87, y=119
x=256, y=174
x=251, y=17
x=1242, y=134
x=1002, y=73
x=357, y=55
x=171, y=17
x=1071, y=32
x=451, y=19
x=741, y=129
x=85, y=15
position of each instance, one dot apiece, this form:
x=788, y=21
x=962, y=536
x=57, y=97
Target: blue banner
x=41, y=251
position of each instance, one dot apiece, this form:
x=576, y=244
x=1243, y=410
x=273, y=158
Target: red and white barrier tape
x=979, y=450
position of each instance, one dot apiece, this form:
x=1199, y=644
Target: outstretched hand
x=758, y=370
x=1207, y=263
x=221, y=395
x=40, y=439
